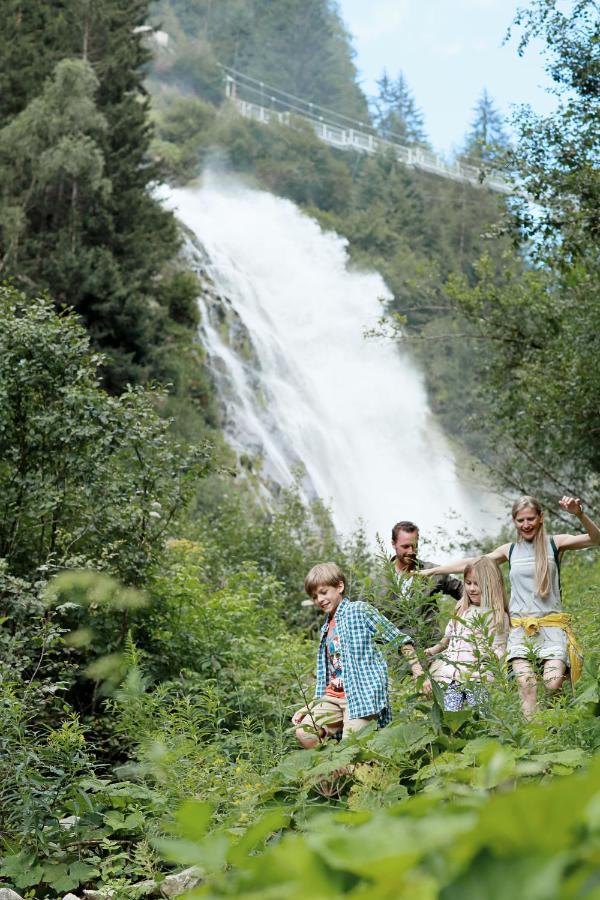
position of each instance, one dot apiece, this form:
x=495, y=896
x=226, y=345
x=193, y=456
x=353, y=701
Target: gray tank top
x=524, y=601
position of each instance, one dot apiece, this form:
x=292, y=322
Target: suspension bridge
x=256, y=100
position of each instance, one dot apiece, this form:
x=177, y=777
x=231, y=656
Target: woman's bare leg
x=555, y=672
x=527, y=685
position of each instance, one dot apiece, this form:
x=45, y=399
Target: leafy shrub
x=85, y=478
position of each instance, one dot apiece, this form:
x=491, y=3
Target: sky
x=448, y=51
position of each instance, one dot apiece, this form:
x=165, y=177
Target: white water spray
x=312, y=388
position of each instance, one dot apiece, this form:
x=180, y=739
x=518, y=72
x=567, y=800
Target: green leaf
x=58, y=877
x=83, y=871
x=455, y=720
x=257, y=834
x=337, y=758
x=294, y=766
x=539, y=817
x=193, y=819
x=536, y=878
x=398, y=740
x=387, y=844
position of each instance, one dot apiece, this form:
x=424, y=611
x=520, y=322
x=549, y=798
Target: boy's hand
x=430, y=651
x=298, y=717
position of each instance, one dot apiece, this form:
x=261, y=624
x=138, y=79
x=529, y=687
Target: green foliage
x=50, y=159
x=534, y=362
x=84, y=476
x=48, y=775
x=283, y=542
x=93, y=481
x=302, y=49
x=203, y=712
x=539, y=327
x=78, y=218
x=145, y=676
x=185, y=126
x=396, y=114
x=87, y=481
x=287, y=159
x=434, y=844
x=487, y=140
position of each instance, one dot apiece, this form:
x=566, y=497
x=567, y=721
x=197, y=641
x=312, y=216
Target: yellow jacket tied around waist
x=532, y=625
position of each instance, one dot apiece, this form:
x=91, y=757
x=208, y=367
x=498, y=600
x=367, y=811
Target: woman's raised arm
x=574, y=506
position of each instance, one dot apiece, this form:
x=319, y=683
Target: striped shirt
x=360, y=627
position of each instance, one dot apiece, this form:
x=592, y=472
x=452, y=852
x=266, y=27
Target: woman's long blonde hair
x=493, y=595
x=540, y=545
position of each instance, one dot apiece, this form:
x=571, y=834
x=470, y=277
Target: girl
x=479, y=627
x=539, y=628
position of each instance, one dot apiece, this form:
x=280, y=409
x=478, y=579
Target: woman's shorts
x=548, y=643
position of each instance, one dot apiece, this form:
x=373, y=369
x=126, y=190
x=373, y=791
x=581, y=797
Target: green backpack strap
x=510, y=553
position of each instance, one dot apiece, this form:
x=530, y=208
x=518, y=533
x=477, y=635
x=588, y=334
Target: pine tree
x=107, y=259
x=302, y=48
x=51, y=163
x=487, y=139
x=396, y=114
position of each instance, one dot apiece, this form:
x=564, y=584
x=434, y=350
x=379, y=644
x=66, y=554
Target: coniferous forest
x=154, y=642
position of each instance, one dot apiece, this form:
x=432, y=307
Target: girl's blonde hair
x=540, y=544
x=493, y=595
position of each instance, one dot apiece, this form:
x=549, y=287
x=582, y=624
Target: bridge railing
x=350, y=138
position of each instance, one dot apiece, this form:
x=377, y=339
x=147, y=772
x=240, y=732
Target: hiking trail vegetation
x=153, y=641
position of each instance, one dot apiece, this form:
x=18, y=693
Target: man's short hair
x=323, y=573
x=409, y=527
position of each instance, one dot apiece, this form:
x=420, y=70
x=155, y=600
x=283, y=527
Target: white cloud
x=377, y=19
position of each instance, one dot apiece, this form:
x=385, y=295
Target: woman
x=538, y=624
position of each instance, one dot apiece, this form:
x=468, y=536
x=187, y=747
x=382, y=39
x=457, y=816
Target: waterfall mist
x=299, y=379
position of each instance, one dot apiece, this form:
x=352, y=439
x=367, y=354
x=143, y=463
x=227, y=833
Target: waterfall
x=284, y=331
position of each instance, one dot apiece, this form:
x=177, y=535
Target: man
x=416, y=598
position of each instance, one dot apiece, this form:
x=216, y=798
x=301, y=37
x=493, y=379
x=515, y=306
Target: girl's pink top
x=471, y=640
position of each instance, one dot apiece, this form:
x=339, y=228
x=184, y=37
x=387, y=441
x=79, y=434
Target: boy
x=352, y=679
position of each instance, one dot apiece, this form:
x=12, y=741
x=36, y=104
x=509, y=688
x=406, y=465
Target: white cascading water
x=313, y=388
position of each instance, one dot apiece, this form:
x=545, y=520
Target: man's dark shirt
x=425, y=609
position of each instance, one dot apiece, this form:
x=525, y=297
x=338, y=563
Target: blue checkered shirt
x=360, y=627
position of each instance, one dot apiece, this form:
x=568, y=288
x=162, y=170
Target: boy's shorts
x=331, y=714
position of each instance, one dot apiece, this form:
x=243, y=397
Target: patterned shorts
x=457, y=696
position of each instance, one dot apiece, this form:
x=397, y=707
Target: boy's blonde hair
x=493, y=595
x=540, y=544
x=323, y=573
